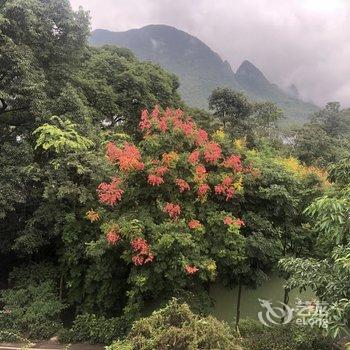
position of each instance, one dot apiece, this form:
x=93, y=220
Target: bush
x=10, y=337
x=34, y=310
x=94, y=329
x=249, y=326
x=176, y=327
x=288, y=337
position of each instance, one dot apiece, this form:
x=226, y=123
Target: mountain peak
x=247, y=71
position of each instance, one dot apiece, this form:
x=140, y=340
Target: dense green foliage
x=94, y=329
x=32, y=305
x=108, y=210
x=243, y=118
x=287, y=337
x=325, y=139
x=328, y=273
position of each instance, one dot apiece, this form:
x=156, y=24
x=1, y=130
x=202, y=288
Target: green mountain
x=253, y=81
x=199, y=68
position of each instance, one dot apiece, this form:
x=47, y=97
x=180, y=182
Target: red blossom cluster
x=191, y=269
x=230, y=221
x=110, y=193
x=113, y=237
x=225, y=188
x=161, y=121
x=142, y=254
x=128, y=157
x=233, y=162
x=201, y=173
x=155, y=180
x=161, y=170
x=172, y=118
x=194, y=224
x=183, y=185
x=203, y=190
x=201, y=137
x=212, y=152
x=193, y=157
x=144, y=124
x=240, y=222
x=173, y=210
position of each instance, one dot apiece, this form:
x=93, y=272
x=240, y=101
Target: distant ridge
x=199, y=68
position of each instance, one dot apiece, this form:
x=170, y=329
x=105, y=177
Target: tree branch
x=4, y=105
x=3, y=110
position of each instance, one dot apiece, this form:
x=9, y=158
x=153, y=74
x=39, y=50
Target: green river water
x=225, y=299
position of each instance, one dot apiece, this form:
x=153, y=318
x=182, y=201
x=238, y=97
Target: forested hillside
x=121, y=206
x=200, y=69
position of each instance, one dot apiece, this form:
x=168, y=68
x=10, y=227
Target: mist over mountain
x=200, y=69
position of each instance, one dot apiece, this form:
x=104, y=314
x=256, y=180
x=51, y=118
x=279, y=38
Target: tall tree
x=325, y=139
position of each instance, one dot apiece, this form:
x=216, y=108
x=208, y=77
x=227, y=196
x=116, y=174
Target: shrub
x=94, y=329
x=176, y=327
x=288, y=337
x=249, y=326
x=34, y=310
x=7, y=336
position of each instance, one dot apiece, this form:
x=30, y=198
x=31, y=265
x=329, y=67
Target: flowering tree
x=169, y=209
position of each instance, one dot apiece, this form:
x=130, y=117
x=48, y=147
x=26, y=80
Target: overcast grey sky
x=305, y=42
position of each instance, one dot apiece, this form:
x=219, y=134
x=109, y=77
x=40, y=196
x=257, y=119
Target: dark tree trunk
x=285, y=301
x=238, y=309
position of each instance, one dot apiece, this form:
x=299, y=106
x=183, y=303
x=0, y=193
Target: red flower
x=193, y=157
x=183, y=185
x=228, y=220
x=201, y=173
x=154, y=180
x=202, y=190
x=140, y=245
x=201, y=137
x=224, y=188
x=113, y=152
x=191, y=269
x=128, y=158
x=144, y=122
x=141, y=250
x=163, y=125
x=229, y=193
x=227, y=181
x=212, y=152
x=173, y=210
x=155, y=112
x=219, y=189
x=110, y=193
x=131, y=158
x=239, y=222
x=113, y=237
x=194, y=224
x=160, y=171
x=233, y=162
x=186, y=127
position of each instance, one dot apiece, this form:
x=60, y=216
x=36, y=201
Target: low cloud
x=305, y=42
